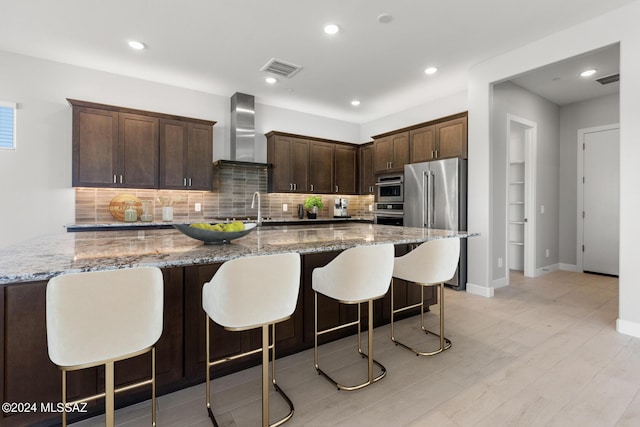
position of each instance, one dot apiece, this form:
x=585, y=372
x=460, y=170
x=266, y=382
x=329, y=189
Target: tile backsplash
x=233, y=189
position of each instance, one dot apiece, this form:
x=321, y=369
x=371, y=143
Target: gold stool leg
x=445, y=343
x=64, y=398
x=109, y=405
x=265, y=376
x=153, y=386
x=370, y=362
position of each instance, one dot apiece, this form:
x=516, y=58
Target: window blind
x=7, y=125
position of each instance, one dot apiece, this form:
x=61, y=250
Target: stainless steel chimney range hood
x=243, y=133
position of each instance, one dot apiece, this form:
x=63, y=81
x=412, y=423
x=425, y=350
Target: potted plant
x=312, y=203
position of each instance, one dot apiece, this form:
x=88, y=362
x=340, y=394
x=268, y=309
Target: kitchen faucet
x=253, y=201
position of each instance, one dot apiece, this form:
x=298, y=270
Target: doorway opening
x=521, y=192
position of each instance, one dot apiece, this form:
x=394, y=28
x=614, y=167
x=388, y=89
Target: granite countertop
x=48, y=256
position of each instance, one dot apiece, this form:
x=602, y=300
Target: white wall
x=580, y=115
x=509, y=98
x=456, y=103
x=617, y=26
x=36, y=192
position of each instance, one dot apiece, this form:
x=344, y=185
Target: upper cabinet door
x=95, y=148
x=321, y=167
x=367, y=177
x=139, y=151
x=278, y=154
x=299, y=166
x=400, y=150
x=422, y=144
x=173, y=154
x=383, y=154
x=452, y=138
x=345, y=169
x=200, y=157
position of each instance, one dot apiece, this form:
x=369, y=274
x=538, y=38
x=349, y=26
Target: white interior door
x=601, y=201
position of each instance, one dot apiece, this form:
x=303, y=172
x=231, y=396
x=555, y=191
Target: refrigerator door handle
x=425, y=199
x=432, y=199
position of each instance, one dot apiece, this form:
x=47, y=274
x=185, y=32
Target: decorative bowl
x=211, y=237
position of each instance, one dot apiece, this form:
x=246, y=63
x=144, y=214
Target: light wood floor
x=542, y=352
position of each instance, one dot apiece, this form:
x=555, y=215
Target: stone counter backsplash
x=92, y=204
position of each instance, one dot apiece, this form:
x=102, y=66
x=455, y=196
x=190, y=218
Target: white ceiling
x=219, y=46
x=562, y=84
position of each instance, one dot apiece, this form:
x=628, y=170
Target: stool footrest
x=357, y=386
x=237, y=356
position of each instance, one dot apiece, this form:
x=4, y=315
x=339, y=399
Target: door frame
x=580, y=190
x=530, y=175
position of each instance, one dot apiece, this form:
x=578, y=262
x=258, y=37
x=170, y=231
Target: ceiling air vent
x=281, y=68
x=608, y=79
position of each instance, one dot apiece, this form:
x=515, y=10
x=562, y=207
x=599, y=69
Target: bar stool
x=98, y=318
x=356, y=275
x=430, y=264
x=247, y=293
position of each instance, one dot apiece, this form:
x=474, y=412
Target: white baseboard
x=548, y=269
x=628, y=328
x=570, y=267
x=482, y=291
x=500, y=283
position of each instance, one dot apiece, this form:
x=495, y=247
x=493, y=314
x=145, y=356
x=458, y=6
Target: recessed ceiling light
x=588, y=73
x=431, y=70
x=134, y=44
x=331, y=28
x=355, y=102
x=271, y=80
x=385, y=18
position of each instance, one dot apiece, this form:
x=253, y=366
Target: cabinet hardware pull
x=189, y=182
x=120, y=179
x=336, y=188
x=290, y=187
x=185, y=182
x=311, y=187
x=295, y=187
x=115, y=181
x=437, y=153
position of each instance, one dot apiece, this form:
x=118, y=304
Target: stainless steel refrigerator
x=435, y=196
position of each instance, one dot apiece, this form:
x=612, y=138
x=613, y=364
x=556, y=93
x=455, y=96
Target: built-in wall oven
x=390, y=188
x=389, y=207
x=389, y=213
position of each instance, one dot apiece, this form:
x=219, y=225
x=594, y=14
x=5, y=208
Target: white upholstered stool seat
x=247, y=293
x=356, y=275
x=97, y=318
x=430, y=264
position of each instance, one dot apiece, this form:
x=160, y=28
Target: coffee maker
x=340, y=208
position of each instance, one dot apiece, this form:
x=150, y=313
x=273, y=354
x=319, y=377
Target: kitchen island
x=29, y=376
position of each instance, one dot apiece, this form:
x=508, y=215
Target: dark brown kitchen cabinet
x=367, y=178
x=95, y=147
x=321, y=167
x=391, y=152
x=186, y=152
x=439, y=141
x=346, y=169
x=121, y=147
x=451, y=137
x=422, y=144
x=304, y=164
x=138, y=151
x=289, y=157
x=112, y=149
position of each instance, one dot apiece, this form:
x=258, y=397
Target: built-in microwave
x=390, y=188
